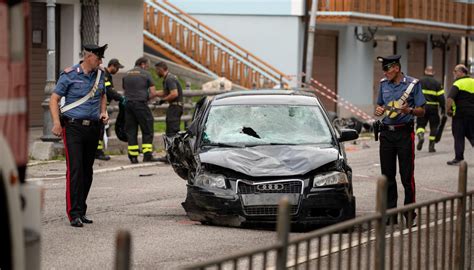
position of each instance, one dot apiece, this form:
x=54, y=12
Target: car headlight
x=210, y=180
x=330, y=178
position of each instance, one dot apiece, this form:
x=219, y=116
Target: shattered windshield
x=249, y=125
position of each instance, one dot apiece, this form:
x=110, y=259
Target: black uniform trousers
x=80, y=143
x=138, y=114
x=399, y=144
x=462, y=128
x=431, y=117
x=173, y=119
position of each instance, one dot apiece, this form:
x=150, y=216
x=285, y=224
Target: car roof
x=295, y=97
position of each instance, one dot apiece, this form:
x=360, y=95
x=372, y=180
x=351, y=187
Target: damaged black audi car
x=245, y=150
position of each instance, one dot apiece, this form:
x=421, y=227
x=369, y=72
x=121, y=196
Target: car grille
x=267, y=210
x=270, y=187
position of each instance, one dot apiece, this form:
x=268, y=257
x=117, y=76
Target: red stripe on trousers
x=413, y=165
x=68, y=177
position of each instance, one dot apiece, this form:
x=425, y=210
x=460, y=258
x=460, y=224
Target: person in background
x=460, y=106
x=112, y=68
x=434, y=95
x=139, y=89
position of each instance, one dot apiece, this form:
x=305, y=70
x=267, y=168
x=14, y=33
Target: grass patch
x=159, y=81
x=161, y=126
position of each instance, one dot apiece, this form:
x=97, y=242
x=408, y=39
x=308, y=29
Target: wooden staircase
x=187, y=41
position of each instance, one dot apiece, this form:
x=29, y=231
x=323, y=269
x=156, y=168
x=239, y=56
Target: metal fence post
x=122, y=252
x=283, y=228
x=461, y=218
x=380, y=208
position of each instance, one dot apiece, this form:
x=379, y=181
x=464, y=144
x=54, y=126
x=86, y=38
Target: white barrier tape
x=366, y=116
x=363, y=116
x=342, y=99
x=345, y=104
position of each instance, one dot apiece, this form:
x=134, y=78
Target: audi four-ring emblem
x=270, y=187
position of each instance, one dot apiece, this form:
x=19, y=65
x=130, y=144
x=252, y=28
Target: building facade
x=118, y=23
x=349, y=36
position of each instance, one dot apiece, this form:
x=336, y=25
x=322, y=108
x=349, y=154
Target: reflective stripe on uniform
x=133, y=150
x=100, y=146
x=433, y=92
x=147, y=147
x=108, y=83
x=420, y=130
x=432, y=138
x=465, y=84
x=429, y=92
x=432, y=103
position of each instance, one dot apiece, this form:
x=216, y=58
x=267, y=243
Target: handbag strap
x=84, y=98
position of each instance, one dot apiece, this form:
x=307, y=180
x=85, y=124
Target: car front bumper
x=318, y=206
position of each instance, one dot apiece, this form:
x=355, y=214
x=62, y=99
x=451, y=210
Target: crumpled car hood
x=277, y=160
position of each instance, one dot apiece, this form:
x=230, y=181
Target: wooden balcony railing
x=379, y=7
x=447, y=14
x=190, y=42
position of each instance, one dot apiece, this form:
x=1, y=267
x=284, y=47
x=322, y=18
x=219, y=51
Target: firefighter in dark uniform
x=400, y=99
x=112, y=68
x=139, y=89
x=173, y=94
x=460, y=106
x=434, y=95
x=83, y=114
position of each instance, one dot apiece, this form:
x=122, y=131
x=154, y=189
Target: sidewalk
x=114, y=145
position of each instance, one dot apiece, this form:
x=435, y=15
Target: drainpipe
x=50, y=72
x=310, y=44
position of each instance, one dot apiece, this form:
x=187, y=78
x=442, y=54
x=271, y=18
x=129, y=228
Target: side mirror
x=347, y=135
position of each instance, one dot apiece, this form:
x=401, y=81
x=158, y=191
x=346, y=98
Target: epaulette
x=68, y=69
x=383, y=79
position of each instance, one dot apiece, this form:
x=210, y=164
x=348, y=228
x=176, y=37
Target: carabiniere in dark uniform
x=400, y=99
x=83, y=114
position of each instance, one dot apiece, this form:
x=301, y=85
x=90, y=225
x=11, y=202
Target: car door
x=181, y=148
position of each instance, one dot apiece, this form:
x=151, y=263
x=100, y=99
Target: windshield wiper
x=224, y=145
x=258, y=144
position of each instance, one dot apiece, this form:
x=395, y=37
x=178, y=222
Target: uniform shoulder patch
x=68, y=69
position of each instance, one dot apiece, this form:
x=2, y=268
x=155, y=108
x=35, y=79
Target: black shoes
x=99, y=154
x=431, y=147
x=454, y=162
x=421, y=140
x=133, y=160
x=79, y=221
x=148, y=157
x=76, y=222
x=86, y=220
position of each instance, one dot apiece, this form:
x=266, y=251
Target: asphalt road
x=147, y=202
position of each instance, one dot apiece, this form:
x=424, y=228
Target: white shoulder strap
x=407, y=92
x=84, y=98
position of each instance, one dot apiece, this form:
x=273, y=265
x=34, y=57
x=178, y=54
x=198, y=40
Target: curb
x=100, y=171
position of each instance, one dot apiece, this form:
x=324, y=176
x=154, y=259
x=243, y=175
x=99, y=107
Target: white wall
x=70, y=44
x=121, y=26
x=355, y=71
x=274, y=39
x=242, y=7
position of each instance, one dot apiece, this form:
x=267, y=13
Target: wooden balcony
x=429, y=15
